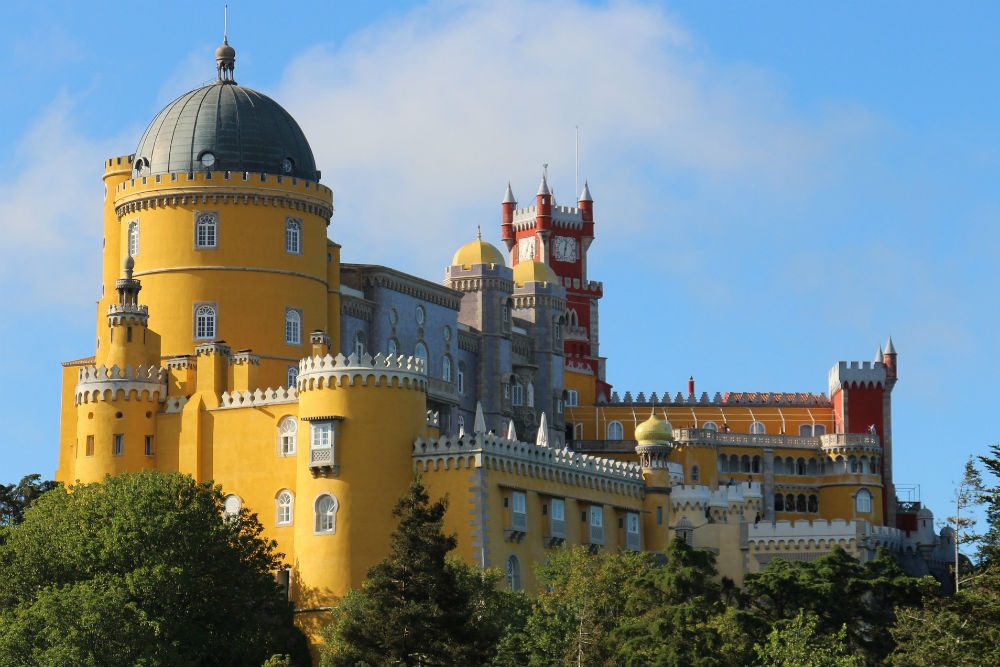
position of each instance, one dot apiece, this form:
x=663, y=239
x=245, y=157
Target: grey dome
x=225, y=127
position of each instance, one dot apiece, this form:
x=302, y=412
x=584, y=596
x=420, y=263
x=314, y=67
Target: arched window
x=873, y=465
x=819, y=429
x=513, y=574
x=283, y=508
x=863, y=502
x=360, y=344
x=723, y=464
x=863, y=464
x=446, y=368
x=293, y=236
x=571, y=318
x=530, y=394
x=288, y=429
x=789, y=465
x=204, y=322
x=757, y=428
x=744, y=463
x=755, y=464
x=615, y=431
x=516, y=392
x=734, y=463
x=461, y=378
x=779, y=503
x=420, y=352
x=779, y=466
x=800, y=466
x=291, y=376
x=293, y=327
x=710, y=426
x=806, y=429
x=392, y=347
x=800, y=503
x=694, y=473
x=206, y=230
x=326, y=514
x=813, y=504
x=231, y=506
x=133, y=238
x=854, y=463
x=839, y=465
x=578, y=431
x=789, y=503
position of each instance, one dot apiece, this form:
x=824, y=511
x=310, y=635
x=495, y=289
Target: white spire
x=479, y=425
x=461, y=430
x=585, y=195
x=878, y=355
x=889, y=347
x=542, y=439
x=508, y=197
x=511, y=433
x=543, y=188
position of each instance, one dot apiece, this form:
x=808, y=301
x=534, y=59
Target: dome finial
x=479, y=233
x=225, y=55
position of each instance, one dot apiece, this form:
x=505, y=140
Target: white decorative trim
x=319, y=372
x=107, y=384
x=258, y=397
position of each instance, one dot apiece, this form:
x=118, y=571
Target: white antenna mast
x=578, y=160
x=225, y=23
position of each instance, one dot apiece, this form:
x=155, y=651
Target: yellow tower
x=654, y=442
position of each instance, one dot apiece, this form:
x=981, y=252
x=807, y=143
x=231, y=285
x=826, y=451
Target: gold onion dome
x=477, y=252
x=654, y=431
x=534, y=272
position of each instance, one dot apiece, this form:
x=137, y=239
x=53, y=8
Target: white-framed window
x=206, y=230
x=519, y=502
x=420, y=352
x=148, y=442
x=572, y=398
x=392, y=347
x=133, y=238
x=461, y=378
x=283, y=508
x=204, y=321
x=863, y=502
x=529, y=391
x=359, y=344
x=516, y=393
x=321, y=435
x=288, y=429
x=616, y=431
x=293, y=236
x=710, y=426
x=446, y=368
x=326, y=514
x=758, y=428
x=558, y=509
x=632, y=538
x=118, y=444
x=695, y=474
x=513, y=573
x=596, y=516
x=231, y=506
x=291, y=376
x=293, y=327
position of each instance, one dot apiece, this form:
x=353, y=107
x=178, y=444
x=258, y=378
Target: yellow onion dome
x=654, y=431
x=534, y=272
x=477, y=252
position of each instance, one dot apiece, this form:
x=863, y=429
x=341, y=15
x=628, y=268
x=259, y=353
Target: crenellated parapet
x=121, y=314
x=483, y=450
x=856, y=374
x=258, y=397
x=699, y=498
x=100, y=383
x=327, y=371
x=752, y=398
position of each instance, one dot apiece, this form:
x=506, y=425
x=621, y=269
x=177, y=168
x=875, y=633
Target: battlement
x=119, y=164
x=100, y=383
x=699, y=496
x=561, y=465
x=570, y=217
x=326, y=371
x=223, y=187
x=780, y=399
x=849, y=375
x=595, y=286
x=119, y=314
x=258, y=397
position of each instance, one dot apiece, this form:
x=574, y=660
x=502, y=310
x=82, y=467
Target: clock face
x=564, y=249
x=526, y=249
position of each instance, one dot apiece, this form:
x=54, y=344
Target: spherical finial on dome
x=477, y=252
x=654, y=431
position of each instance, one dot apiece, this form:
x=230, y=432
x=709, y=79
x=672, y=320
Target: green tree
x=418, y=607
x=989, y=542
x=799, y=643
x=16, y=498
x=969, y=493
x=840, y=592
x=679, y=599
x=141, y=569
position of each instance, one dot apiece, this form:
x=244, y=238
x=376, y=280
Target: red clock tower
x=560, y=236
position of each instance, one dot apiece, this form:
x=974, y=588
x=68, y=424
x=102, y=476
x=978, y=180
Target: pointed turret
x=586, y=205
x=889, y=347
x=479, y=425
x=543, y=187
x=542, y=439
x=511, y=432
x=508, y=197
x=889, y=359
x=585, y=195
x=507, y=208
x=878, y=355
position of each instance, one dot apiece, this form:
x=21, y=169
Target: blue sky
x=778, y=185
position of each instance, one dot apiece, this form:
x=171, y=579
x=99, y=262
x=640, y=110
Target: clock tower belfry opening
x=559, y=237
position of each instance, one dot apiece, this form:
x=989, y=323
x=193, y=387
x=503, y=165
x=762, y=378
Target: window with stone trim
x=118, y=444
x=204, y=322
x=863, y=502
x=288, y=429
x=616, y=431
x=446, y=374
x=293, y=327
x=326, y=514
x=133, y=238
x=513, y=573
x=293, y=236
x=206, y=230
x=291, y=376
x=283, y=508
x=461, y=377
x=758, y=428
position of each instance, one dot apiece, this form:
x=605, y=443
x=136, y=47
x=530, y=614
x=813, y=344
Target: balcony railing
x=322, y=461
x=632, y=541
x=596, y=534
x=442, y=390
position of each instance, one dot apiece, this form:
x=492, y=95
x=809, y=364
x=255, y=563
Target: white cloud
x=51, y=212
x=417, y=123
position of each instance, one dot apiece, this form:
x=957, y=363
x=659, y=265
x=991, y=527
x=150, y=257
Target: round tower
x=655, y=442
x=362, y=416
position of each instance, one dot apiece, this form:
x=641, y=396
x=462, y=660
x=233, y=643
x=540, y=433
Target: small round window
x=207, y=159
x=420, y=315
x=287, y=165
x=447, y=334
